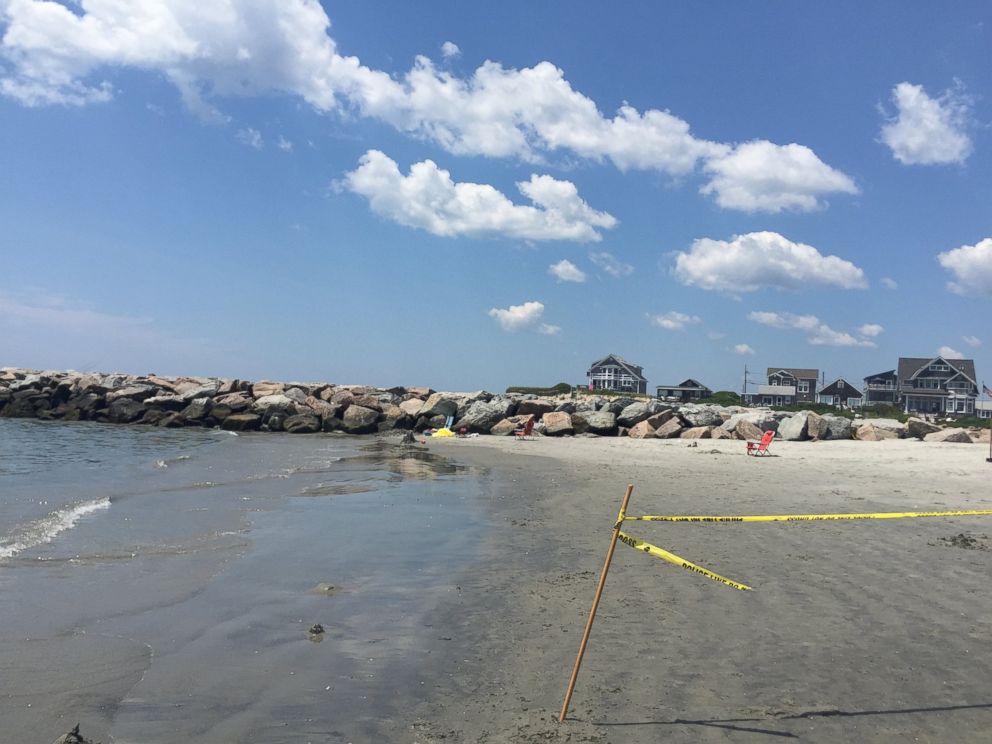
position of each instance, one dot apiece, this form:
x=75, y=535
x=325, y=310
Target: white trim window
x=803, y=386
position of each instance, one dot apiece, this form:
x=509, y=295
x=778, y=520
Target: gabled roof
x=909, y=367
x=889, y=373
x=633, y=369
x=798, y=373
x=693, y=384
x=848, y=391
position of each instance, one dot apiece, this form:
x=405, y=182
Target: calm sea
x=159, y=585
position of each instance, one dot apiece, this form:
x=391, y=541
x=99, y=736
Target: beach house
x=840, y=393
x=881, y=389
x=685, y=391
x=616, y=373
x=937, y=385
x=787, y=386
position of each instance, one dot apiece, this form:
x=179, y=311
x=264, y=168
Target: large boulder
x=134, y=392
x=765, y=420
x=166, y=402
x=536, y=407
x=670, y=429
x=481, y=416
x=746, y=430
x=641, y=430
x=304, y=423
x=321, y=407
x=816, y=427
x=125, y=411
x=897, y=427
x=197, y=410
x=359, y=420
x=697, y=432
x=838, y=427
x=412, y=406
x=242, y=422
x=603, y=423
x=557, y=423
x=696, y=415
x=793, y=429
x=949, y=435
x=657, y=419
x=277, y=400
x=440, y=404
x=264, y=388
x=208, y=390
x=872, y=433
x=917, y=427
x=637, y=412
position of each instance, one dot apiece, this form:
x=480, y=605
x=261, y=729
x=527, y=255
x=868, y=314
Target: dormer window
x=840, y=384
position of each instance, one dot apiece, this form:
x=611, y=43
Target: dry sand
x=863, y=631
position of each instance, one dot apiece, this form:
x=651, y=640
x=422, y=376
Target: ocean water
x=159, y=585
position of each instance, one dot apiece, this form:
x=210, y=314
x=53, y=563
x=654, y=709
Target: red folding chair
x=760, y=449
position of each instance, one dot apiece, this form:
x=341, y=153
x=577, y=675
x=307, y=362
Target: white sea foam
x=46, y=529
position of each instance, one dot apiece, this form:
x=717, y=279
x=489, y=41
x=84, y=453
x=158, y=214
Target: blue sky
x=467, y=197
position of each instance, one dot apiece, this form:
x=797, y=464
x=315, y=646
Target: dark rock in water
x=197, y=410
x=316, y=628
x=242, y=422
x=274, y=420
x=360, y=420
x=74, y=737
x=125, y=411
x=408, y=438
x=303, y=423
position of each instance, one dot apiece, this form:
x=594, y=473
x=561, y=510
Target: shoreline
x=855, y=631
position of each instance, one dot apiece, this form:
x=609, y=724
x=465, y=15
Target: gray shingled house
x=685, y=391
x=787, y=386
x=616, y=373
x=938, y=386
x=840, y=393
x=881, y=389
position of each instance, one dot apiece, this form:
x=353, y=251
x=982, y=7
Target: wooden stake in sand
x=595, y=604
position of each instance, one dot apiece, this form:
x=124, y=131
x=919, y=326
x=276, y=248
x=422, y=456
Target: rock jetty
x=306, y=408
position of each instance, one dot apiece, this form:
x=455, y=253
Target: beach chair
x=526, y=431
x=760, y=449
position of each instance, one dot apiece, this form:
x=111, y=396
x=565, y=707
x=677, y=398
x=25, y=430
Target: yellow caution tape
x=678, y=561
x=808, y=517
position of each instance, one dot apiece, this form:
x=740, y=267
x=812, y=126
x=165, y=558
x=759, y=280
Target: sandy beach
x=855, y=631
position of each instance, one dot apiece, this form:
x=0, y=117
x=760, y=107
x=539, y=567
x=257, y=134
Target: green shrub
x=723, y=398
x=883, y=411
x=562, y=388
x=969, y=422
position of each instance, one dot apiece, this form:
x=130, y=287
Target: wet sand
x=868, y=631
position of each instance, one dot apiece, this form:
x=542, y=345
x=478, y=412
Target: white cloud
x=761, y=176
x=284, y=144
x=610, y=264
x=548, y=330
x=948, y=353
x=250, y=137
x=925, y=130
x=450, y=49
x=54, y=55
x=758, y=260
x=743, y=349
x=566, y=271
x=870, y=329
x=972, y=341
x=888, y=283
x=522, y=317
x=714, y=335
x=675, y=321
x=817, y=332
x=971, y=266
x=428, y=199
